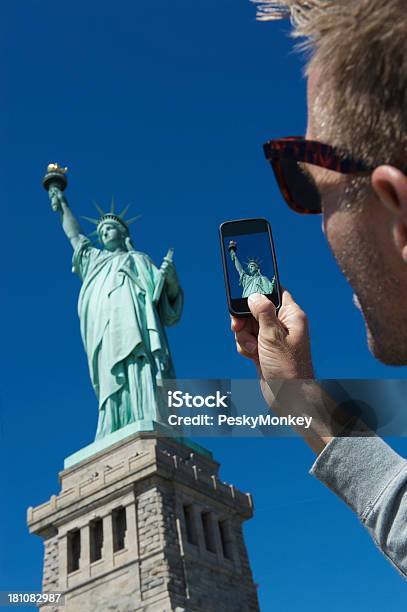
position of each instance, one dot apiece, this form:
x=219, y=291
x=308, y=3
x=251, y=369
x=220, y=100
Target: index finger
x=237, y=324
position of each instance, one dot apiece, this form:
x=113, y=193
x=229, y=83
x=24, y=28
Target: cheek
x=346, y=237
x=336, y=221
x=357, y=251
x=334, y=228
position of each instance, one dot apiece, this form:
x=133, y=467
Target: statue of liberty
x=124, y=304
x=252, y=281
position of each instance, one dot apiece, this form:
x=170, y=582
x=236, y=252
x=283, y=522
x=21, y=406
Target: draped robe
x=123, y=333
x=256, y=283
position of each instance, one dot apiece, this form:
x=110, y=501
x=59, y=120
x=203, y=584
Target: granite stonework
x=182, y=547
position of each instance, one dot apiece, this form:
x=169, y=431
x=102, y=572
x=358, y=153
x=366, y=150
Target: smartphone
x=249, y=263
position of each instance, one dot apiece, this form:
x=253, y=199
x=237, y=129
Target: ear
x=390, y=187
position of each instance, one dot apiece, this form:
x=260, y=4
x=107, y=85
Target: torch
x=55, y=181
x=232, y=248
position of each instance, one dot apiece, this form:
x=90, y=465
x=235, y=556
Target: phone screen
x=249, y=263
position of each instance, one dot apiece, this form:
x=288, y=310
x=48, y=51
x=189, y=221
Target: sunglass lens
x=301, y=191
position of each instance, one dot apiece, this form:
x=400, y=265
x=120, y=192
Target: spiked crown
x=254, y=260
x=111, y=217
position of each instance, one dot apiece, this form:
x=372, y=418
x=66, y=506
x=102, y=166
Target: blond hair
x=359, y=50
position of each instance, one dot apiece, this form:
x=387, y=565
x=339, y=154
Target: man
x=252, y=281
x=352, y=169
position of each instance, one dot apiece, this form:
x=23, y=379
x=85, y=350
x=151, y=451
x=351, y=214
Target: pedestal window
x=119, y=523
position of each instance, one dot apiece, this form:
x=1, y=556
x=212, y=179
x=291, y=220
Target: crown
x=254, y=260
x=111, y=217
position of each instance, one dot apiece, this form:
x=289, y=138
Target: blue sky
x=165, y=105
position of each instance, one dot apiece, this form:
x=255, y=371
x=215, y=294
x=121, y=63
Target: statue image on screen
x=125, y=303
x=250, y=279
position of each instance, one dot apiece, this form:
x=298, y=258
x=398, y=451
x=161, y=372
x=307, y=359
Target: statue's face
x=252, y=267
x=111, y=236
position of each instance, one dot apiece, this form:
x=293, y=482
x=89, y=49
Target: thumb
x=290, y=310
x=262, y=309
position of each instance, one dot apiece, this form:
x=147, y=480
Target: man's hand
x=278, y=344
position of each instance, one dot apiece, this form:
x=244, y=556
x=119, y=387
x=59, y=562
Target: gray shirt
x=372, y=479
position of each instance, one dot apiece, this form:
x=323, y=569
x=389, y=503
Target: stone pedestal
x=146, y=526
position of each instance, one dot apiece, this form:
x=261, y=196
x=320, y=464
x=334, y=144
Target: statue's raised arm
x=55, y=182
x=232, y=250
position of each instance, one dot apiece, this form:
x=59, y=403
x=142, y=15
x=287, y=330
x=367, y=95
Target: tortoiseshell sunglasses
x=286, y=156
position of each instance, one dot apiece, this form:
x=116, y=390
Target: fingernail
x=254, y=297
x=250, y=347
